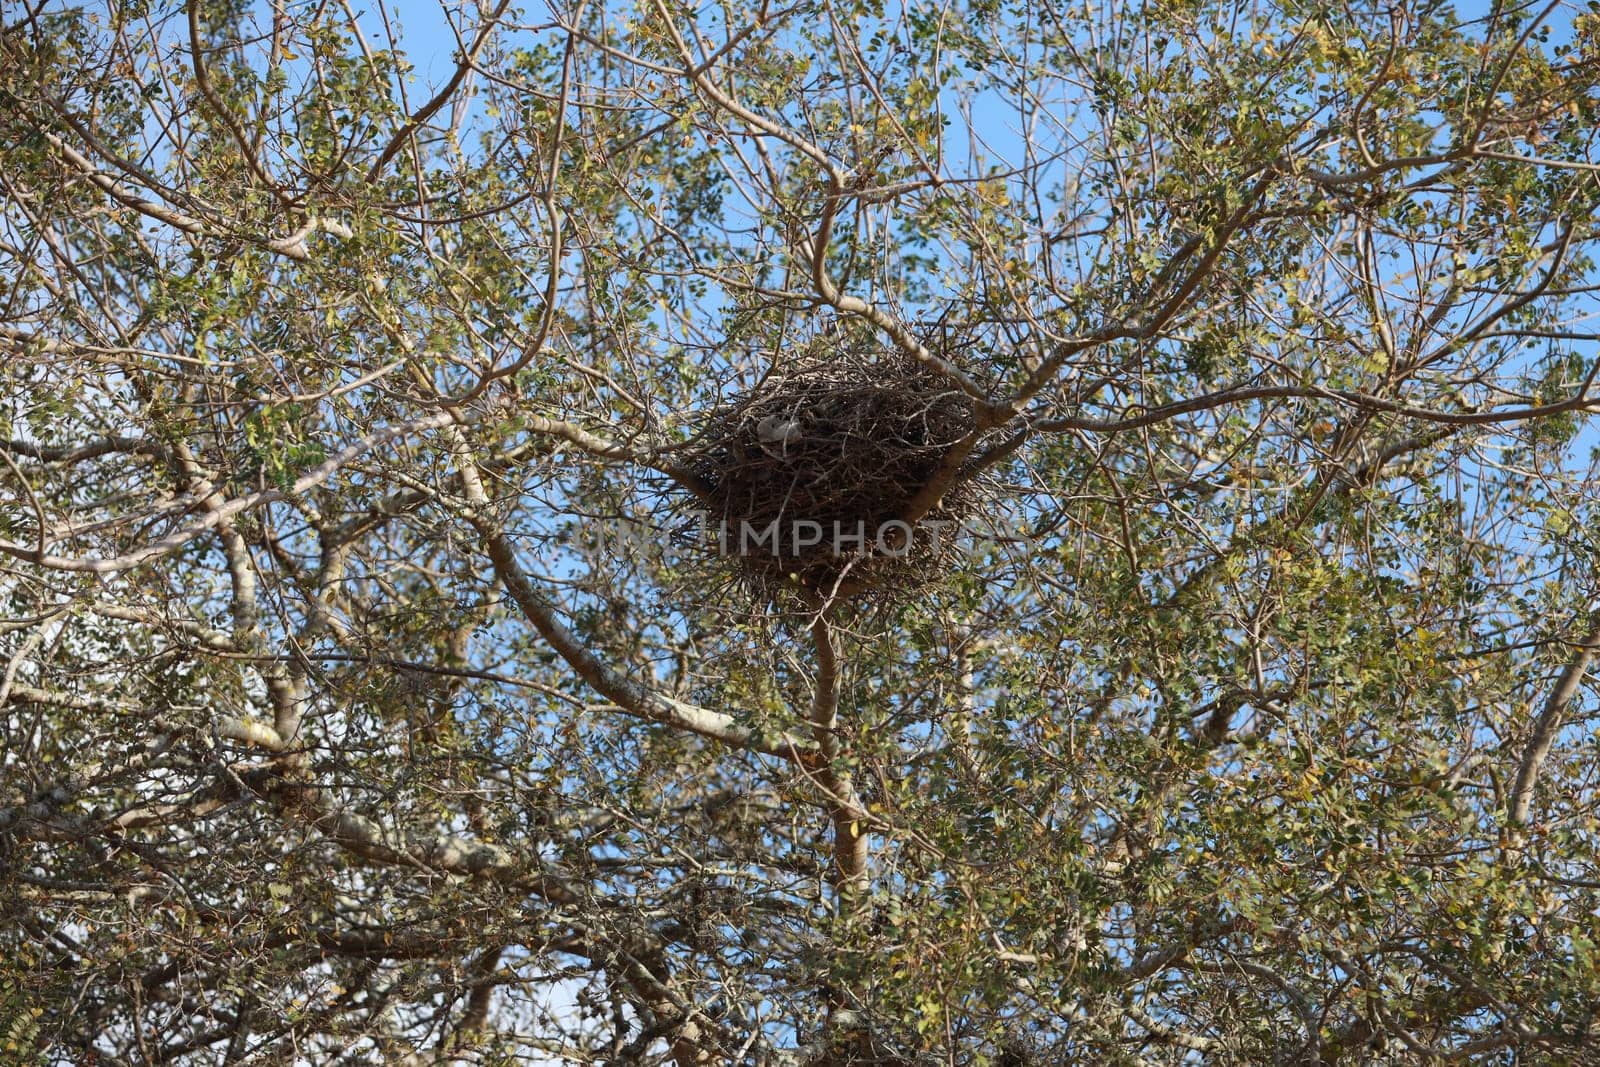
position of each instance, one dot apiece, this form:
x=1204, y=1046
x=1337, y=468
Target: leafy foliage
x=363, y=703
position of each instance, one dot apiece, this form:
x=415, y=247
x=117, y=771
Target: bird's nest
x=811, y=481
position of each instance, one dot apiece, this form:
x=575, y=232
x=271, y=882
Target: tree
x=366, y=703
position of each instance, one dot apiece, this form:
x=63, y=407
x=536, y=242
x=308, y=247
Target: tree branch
x=1548, y=725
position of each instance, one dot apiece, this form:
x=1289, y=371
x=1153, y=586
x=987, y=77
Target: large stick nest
x=844, y=439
